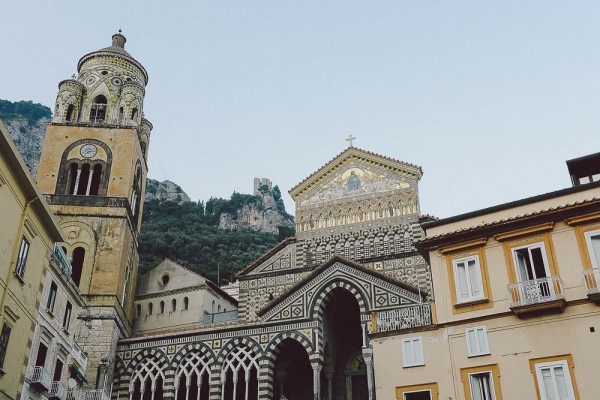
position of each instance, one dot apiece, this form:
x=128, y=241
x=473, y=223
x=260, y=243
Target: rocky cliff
x=165, y=190
x=26, y=123
x=265, y=214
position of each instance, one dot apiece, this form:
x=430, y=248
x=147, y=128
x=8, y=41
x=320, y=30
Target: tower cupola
x=118, y=40
x=108, y=90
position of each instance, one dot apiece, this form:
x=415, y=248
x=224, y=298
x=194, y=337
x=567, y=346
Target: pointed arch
x=321, y=298
x=148, y=370
x=194, y=364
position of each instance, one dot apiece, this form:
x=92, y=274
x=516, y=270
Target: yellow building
x=27, y=236
x=515, y=318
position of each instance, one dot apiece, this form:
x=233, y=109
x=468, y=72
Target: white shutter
x=412, y=351
x=477, y=342
x=474, y=279
x=461, y=273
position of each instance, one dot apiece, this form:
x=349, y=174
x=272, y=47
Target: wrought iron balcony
x=401, y=318
x=41, y=379
x=536, y=294
x=57, y=391
x=96, y=394
x=592, y=283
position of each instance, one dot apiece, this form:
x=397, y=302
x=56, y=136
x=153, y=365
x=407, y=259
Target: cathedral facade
x=304, y=314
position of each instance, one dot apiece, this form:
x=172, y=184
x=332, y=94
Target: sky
x=489, y=97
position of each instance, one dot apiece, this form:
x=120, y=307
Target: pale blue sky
x=489, y=97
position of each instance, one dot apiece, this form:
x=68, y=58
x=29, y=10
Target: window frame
x=413, y=340
x=67, y=316
x=22, y=256
x=52, y=295
x=431, y=387
x=465, y=260
x=567, y=358
x=567, y=367
x=594, y=259
x=535, y=245
x=470, y=351
x=4, y=342
x=475, y=248
x=492, y=369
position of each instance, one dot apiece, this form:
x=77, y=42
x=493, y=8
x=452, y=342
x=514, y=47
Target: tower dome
x=112, y=88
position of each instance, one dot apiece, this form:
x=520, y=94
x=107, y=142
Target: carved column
x=316, y=366
x=368, y=357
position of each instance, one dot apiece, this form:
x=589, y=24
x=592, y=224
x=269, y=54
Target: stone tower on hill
x=93, y=172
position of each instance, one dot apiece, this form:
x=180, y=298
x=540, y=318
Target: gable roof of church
x=265, y=256
x=349, y=153
x=329, y=263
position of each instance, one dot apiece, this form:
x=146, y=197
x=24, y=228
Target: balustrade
x=401, y=318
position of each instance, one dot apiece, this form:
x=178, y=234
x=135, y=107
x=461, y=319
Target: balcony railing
x=97, y=394
x=401, y=318
x=79, y=356
x=62, y=259
x=40, y=378
x=592, y=280
x=58, y=391
x=535, y=291
x=220, y=317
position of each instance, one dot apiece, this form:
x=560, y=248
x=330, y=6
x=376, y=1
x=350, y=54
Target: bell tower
x=93, y=172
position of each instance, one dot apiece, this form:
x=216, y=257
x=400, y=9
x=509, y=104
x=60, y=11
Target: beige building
x=27, y=237
x=171, y=297
x=56, y=360
x=514, y=313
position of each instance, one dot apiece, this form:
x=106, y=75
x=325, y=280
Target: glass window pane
x=595, y=250
x=474, y=279
x=561, y=383
x=548, y=384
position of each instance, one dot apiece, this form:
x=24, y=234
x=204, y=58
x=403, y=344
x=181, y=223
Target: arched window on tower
x=134, y=114
x=70, y=112
x=95, y=180
x=77, y=264
x=84, y=179
x=138, y=310
x=143, y=144
x=161, y=308
x=120, y=120
x=72, y=177
x=173, y=305
x=98, y=110
x=137, y=189
x=186, y=303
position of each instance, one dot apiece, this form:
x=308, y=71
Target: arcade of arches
x=297, y=372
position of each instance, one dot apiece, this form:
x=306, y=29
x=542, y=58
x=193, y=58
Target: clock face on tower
x=88, y=150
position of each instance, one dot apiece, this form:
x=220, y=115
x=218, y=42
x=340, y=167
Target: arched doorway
x=343, y=336
x=292, y=372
